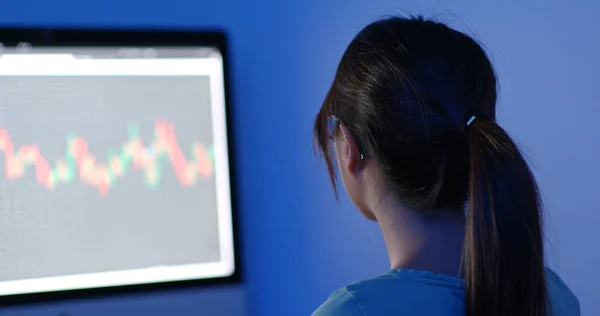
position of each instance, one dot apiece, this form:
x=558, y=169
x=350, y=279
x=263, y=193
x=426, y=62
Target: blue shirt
x=415, y=292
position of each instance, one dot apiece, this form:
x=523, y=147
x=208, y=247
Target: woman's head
x=416, y=100
x=403, y=90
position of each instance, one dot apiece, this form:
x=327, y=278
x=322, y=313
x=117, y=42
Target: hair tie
x=471, y=115
x=470, y=121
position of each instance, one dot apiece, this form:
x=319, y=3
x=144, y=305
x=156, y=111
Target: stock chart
x=106, y=173
x=79, y=163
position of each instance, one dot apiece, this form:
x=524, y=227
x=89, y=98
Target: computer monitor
x=115, y=161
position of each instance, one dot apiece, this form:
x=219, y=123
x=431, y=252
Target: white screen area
x=114, y=169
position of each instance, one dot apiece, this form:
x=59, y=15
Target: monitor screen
x=115, y=166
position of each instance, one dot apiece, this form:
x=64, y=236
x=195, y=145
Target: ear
x=347, y=151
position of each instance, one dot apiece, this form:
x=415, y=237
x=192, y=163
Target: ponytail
x=503, y=252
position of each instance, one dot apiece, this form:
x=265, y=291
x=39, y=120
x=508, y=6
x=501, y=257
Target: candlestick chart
x=80, y=164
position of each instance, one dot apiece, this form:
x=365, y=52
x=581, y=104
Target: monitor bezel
x=130, y=37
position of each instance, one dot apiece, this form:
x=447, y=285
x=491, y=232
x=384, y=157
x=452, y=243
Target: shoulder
x=341, y=302
x=562, y=299
x=396, y=293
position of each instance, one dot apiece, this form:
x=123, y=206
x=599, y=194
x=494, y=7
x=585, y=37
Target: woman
x=412, y=124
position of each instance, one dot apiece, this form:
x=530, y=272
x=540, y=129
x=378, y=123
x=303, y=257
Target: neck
x=415, y=241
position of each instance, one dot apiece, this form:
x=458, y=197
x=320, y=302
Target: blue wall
x=299, y=244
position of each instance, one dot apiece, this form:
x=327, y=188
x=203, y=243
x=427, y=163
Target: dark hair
x=406, y=88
